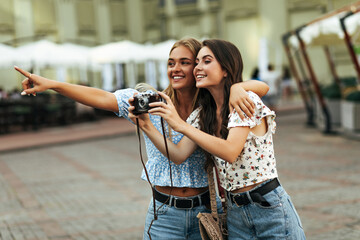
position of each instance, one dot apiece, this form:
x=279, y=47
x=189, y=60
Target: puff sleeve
x=261, y=111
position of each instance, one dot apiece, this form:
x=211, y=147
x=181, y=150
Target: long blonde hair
x=194, y=46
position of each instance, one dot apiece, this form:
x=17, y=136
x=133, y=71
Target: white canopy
x=160, y=51
x=328, y=31
x=120, y=52
x=41, y=53
x=74, y=54
x=9, y=56
x=127, y=51
x=46, y=53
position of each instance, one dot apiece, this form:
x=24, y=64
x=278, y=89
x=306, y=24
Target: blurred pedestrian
x=14, y=94
x=273, y=79
x=3, y=94
x=255, y=74
x=286, y=85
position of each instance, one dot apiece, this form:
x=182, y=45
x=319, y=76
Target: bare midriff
x=245, y=189
x=181, y=191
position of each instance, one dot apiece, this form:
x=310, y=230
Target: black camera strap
x=147, y=174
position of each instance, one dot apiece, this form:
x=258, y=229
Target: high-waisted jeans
x=253, y=221
x=174, y=224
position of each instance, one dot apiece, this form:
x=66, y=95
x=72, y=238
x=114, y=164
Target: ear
x=225, y=74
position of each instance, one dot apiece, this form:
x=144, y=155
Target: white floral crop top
x=256, y=163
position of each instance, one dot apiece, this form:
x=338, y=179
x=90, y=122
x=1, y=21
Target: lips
x=200, y=76
x=177, y=77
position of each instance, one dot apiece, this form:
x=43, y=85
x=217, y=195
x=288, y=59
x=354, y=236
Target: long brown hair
x=194, y=46
x=229, y=57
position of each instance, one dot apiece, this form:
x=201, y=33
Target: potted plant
x=350, y=112
x=332, y=96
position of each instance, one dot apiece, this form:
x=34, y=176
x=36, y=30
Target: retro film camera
x=142, y=100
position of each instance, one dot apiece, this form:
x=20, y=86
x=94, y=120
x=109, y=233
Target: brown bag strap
x=210, y=172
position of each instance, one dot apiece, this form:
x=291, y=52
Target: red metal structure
x=343, y=14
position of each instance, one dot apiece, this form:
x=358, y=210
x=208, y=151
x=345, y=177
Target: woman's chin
x=200, y=85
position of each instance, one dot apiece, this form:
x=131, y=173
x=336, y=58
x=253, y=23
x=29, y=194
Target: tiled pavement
x=83, y=183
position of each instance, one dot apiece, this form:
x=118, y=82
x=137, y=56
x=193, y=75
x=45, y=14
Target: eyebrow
x=208, y=55
x=180, y=59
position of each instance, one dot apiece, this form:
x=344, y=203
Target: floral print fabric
x=256, y=163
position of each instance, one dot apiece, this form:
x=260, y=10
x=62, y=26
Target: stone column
x=205, y=19
x=273, y=17
x=102, y=16
x=66, y=20
x=135, y=20
x=220, y=21
x=172, y=24
x=24, y=24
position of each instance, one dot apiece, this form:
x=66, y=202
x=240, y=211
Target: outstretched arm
x=228, y=149
x=90, y=96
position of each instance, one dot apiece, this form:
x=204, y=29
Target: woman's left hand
x=167, y=111
x=241, y=102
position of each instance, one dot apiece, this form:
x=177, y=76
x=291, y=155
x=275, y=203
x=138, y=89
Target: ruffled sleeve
x=261, y=111
x=122, y=97
x=272, y=124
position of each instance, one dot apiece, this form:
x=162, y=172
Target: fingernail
x=23, y=93
x=16, y=66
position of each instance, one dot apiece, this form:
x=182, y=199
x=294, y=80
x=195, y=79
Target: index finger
x=22, y=71
x=166, y=97
x=231, y=108
x=163, y=95
x=239, y=112
x=251, y=103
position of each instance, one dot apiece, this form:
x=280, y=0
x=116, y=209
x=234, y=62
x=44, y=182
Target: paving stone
x=91, y=190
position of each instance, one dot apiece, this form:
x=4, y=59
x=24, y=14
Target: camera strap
x=146, y=172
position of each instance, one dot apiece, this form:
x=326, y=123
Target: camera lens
x=143, y=103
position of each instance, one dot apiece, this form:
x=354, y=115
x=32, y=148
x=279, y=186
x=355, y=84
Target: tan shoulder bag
x=212, y=225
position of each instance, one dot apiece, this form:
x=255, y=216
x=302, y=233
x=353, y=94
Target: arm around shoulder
x=256, y=86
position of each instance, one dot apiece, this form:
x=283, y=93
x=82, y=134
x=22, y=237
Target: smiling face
x=180, y=68
x=208, y=71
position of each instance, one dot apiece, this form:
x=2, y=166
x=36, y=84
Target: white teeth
x=177, y=77
x=200, y=76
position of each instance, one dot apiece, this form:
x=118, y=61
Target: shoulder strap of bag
x=210, y=172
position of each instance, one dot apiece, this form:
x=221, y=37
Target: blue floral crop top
x=191, y=173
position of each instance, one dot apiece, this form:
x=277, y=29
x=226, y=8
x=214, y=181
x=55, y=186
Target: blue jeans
x=253, y=221
x=174, y=224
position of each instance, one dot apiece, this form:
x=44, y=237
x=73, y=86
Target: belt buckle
x=236, y=203
x=234, y=200
x=188, y=200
